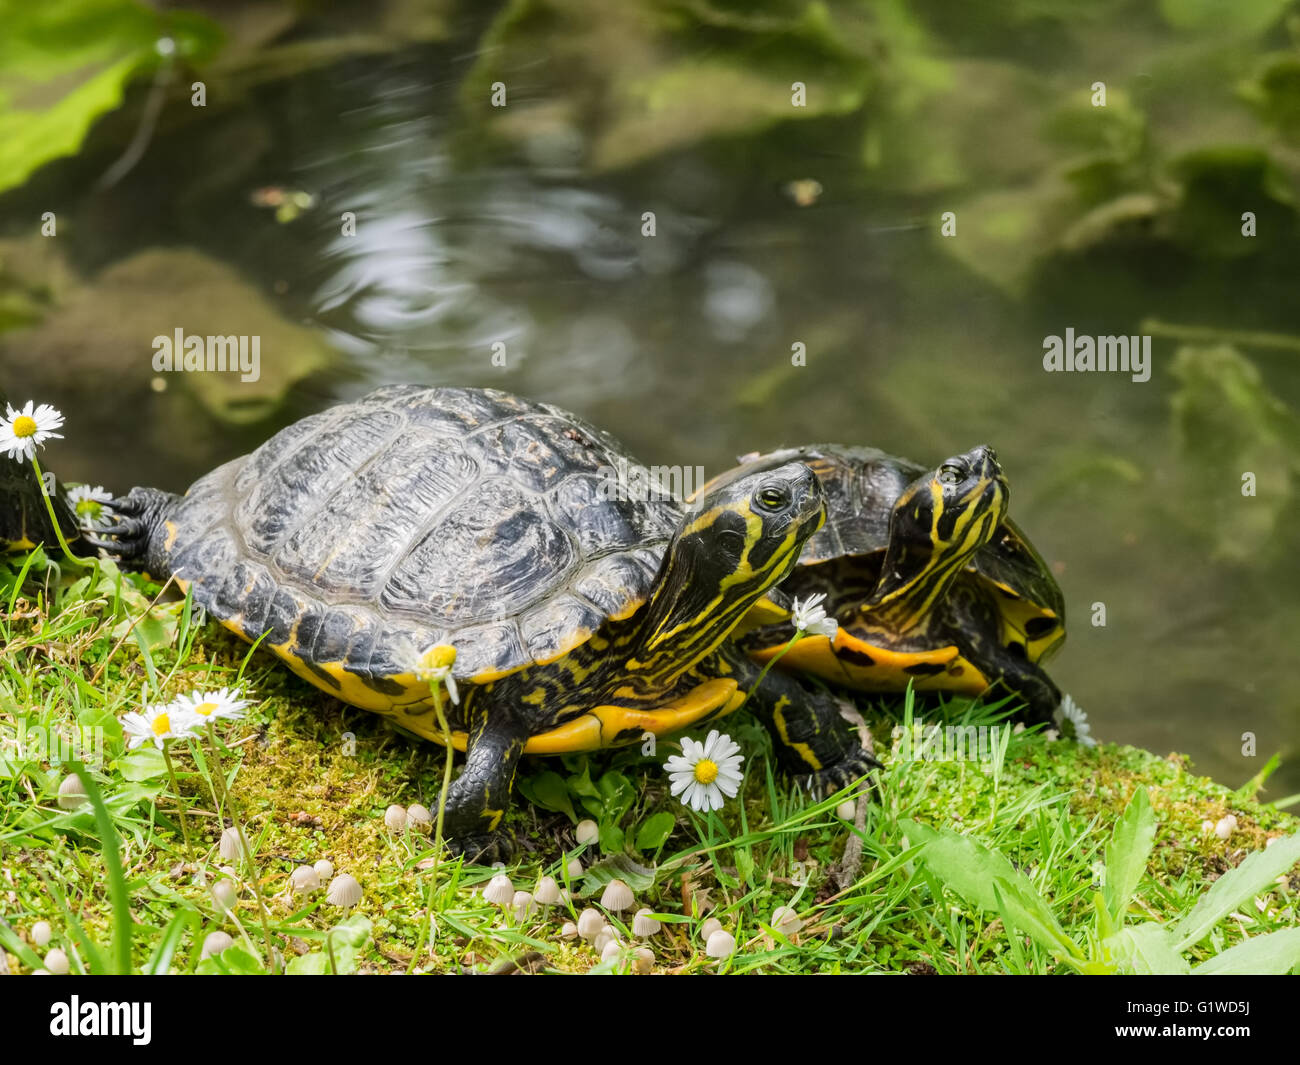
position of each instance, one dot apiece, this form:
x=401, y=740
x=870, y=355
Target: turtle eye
x=772, y=496
x=950, y=474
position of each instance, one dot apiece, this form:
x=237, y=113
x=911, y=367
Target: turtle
x=930, y=582
x=418, y=528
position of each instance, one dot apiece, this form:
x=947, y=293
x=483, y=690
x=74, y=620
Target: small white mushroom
x=574, y=868
x=590, y=922
x=42, y=933
x=709, y=927
x=643, y=960
x=56, y=963
x=324, y=869
x=587, y=832
x=604, y=939
x=1207, y=827
x=419, y=817
x=617, y=897
x=395, y=818
x=568, y=930
x=224, y=894
x=721, y=944
x=1225, y=827
x=215, y=943
x=72, y=793
x=610, y=950
x=343, y=891
x=645, y=925
x=522, y=904
x=786, y=921
x=230, y=846
x=846, y=810
x=548, y=891
x=303, y=880
x=499, y=891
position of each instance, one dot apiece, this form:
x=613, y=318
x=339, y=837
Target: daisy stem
x=218, y=793
x=446, y=778
x=798, y=635
x=180, y=803
x=54, y=520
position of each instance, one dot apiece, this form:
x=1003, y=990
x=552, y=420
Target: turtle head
x=939, y=521
x=741, y=537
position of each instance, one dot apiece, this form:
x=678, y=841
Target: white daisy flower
x=27, y=429
x=1073, y=713
x=200, y=706
x=90, y=505
x=157, y=723
x=435, y=668
x=704, y=773
x=810, y=617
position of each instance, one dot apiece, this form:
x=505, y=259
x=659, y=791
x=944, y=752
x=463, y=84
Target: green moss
x=310, y=778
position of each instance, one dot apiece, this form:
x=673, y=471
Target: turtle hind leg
x=478, y=799
x=138, y=536
x=813, y=742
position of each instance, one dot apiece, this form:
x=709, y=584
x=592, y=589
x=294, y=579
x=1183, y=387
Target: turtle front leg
x=813, y=741
x=1025, y=682
x=478, y=799
x=138, y=535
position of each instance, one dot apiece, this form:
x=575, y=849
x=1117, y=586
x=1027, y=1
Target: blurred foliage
x=1228, y=424
x=617, y=83
x=64, y=64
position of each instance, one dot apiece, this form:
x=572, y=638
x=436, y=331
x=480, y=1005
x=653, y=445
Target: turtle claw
x=482, y=848
x=848, y=771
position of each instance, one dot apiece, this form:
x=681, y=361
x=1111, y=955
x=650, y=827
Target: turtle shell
x=361, y=537
x=862, y=484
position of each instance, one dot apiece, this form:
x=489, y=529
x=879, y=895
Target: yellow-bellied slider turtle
x=368, y=539
x=930, y=582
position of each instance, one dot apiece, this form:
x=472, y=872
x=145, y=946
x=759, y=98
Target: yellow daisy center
x=89, y=508
x=706, y=771
x=24, y=426
x=205, y=709
x=162, y=724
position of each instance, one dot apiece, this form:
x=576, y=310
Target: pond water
x=469, y=254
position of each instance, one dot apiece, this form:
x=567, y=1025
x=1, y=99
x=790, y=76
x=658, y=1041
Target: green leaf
x=549, y=791
x=1270, y=955
x=308, y=965
x=63, y=65
x=1236, y=887
x=611, y=839
x=354, y=932
x=144, y=763
x=1127, y=853
x=616, y=795
x=967, y=867
x=655, y=830
x=580, y=784
x=616, y=867
x=1025, y=909
x=234, y=960
x=1147, y=950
